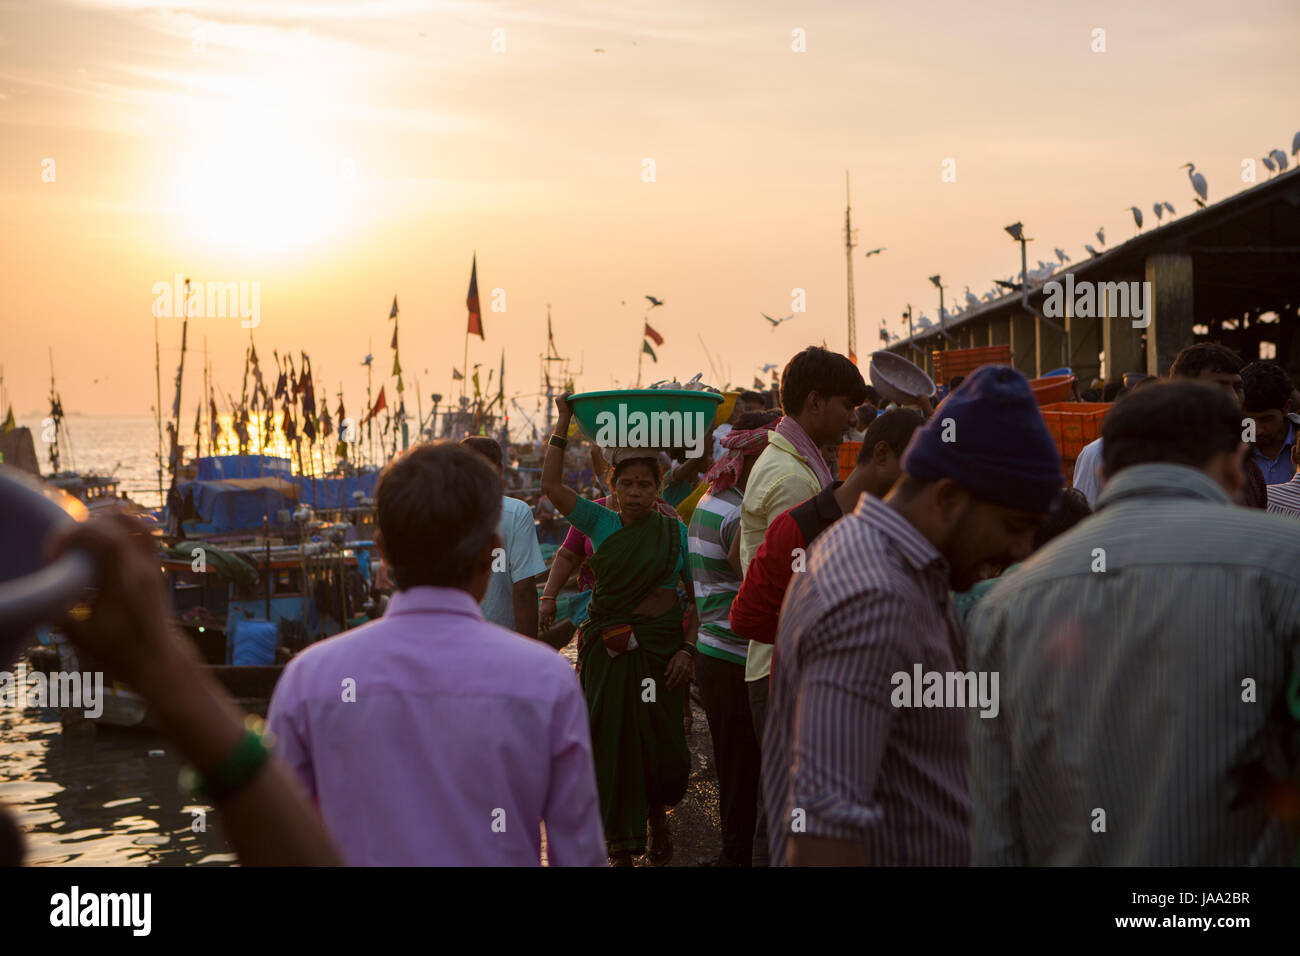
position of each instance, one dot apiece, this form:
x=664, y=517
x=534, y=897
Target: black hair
x=437, y=505
x=1070, y=507
x=752, y=420
x=1205, y=357
x=955, y=382
x=874, y=398
x=489, y=448
x=819, y=370
x=1175, y=423
x=752, y=397
x=895, y=428
x=651, y=460
x=1266, y=387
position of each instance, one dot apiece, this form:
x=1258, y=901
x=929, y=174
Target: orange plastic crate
x=1074, y=424
x=953, y=362
x=849, y=451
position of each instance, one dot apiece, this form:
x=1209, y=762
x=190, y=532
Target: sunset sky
x=338, y=153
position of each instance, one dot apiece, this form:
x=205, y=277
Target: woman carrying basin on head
x=636, y=658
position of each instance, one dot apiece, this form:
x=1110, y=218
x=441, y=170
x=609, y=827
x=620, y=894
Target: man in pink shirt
x=432, y=737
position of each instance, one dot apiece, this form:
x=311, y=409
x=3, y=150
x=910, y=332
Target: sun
x=253, y=178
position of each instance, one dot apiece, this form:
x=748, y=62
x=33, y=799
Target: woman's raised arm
x=562, y=496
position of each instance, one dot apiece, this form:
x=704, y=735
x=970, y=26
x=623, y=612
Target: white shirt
x=1087, y=471
x=523, y=559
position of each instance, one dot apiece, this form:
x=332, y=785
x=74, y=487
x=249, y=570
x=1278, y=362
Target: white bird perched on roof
x=971, y=299
x=1137, y=215
x=990, y=296
x=1169, y=208
x=924, y=321
x=1159, y=210
x=1101, y=234
x=1268, y=163
x=1060, y=254
x=1090, y=250
x=1295, y=144
x=1279, y=157
x=1198, y=183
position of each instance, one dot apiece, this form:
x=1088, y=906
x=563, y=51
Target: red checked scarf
x=740, y=445
x=790, y=429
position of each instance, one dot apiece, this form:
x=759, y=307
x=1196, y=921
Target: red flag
x=471, y=302
x=652, y=334
x=380, y=404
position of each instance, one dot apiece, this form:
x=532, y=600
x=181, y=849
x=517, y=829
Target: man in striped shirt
x=1144, y=660
x=1284, y=499
x=720, y=662
x=853, y=771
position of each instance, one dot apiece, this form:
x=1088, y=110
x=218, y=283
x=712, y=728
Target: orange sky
x=338, y=153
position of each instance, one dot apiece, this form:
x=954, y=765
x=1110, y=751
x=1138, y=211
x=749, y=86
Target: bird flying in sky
x=776, y=322
x=654, y=302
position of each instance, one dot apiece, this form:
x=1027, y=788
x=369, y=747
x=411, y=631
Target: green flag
x=645, y=347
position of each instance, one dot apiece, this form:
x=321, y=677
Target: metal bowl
x=898, y=379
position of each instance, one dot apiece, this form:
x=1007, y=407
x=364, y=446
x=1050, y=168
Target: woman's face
x=635, y=488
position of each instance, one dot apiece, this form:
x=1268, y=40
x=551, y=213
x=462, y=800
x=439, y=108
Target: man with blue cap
x=865, y=753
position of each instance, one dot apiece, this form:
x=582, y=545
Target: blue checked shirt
x=839, y=760
x=1122, y=690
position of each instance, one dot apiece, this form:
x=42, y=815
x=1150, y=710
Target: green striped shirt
x=713, y=527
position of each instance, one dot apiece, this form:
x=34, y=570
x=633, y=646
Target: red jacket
x=757, y=607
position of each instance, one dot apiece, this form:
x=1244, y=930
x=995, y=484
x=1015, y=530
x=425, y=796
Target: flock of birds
x=1275, y=161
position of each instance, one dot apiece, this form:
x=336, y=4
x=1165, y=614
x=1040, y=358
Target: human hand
x=128, y=626
x=679, y=669
x=545, y=613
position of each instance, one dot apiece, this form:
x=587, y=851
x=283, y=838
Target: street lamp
x=1017, y=232
x=939, y=285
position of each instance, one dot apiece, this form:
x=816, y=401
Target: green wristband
x=235, y=771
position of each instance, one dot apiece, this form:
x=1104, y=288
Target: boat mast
x=157, y=409
x=849, y=235
x=176, y=404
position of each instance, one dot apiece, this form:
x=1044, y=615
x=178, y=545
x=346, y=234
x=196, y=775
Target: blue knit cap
x=1000, y=449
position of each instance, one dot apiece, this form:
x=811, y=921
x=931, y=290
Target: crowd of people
x=945, y=658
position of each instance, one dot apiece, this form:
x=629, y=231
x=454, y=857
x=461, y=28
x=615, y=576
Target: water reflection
x=98, y=798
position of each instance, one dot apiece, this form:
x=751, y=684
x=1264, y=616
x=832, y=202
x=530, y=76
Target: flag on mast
x=392, y=313
x=652, y=334
x=381, y=403
x=456, y=376
x=645, y=347
x=471, y=302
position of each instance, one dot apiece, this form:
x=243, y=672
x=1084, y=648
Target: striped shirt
x=1284, y=499
x=839, y=759
x=713, y=528
x=1148, y=698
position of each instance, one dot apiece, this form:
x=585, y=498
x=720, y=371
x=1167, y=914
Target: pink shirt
x=462, y=738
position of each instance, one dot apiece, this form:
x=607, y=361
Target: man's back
x=431, y=737
x=1143, y=659
x=523, y=560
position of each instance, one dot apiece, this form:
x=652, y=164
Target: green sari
x=639, y=744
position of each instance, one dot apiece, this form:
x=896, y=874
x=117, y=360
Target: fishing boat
x=247, y=609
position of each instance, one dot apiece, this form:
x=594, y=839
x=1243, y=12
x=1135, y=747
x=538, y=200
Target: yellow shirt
x=780, y=479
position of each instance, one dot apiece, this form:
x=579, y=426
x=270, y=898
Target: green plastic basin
x=588, y=405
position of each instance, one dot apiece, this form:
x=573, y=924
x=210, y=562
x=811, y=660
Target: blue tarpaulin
x=239, y=503
x=336, y=492
x=216, y=467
